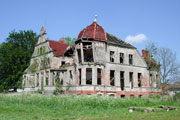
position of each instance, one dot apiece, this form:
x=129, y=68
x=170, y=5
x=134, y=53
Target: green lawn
x=41, y=107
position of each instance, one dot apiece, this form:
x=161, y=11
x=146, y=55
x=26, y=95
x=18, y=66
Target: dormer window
x=130, y=59
x=121, y=58
x=111, y=56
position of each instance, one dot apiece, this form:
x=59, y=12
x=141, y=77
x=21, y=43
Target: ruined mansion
x=99, y=63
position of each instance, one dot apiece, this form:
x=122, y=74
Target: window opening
x=121, y=58
x=99, y=76
x=122, y=80
x=130, y=59
x=139, y=80
x=88, y=52
x=131, y=79
x=112, y=78
x=111, y=56
x=89, y=76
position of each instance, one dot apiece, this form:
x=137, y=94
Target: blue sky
x=152, y=20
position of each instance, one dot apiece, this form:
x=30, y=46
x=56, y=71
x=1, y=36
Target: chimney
x=145, y=54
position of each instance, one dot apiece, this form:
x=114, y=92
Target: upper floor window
x=121, y=58
x=79, y=55
x=88, y=52
x=111, y=56
x=130, y=59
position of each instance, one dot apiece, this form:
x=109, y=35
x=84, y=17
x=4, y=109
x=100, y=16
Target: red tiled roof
x=94, y=31
x=58, y=47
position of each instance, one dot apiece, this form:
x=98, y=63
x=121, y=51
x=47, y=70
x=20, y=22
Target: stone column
x=135, y=79
x=40, y=79
x=107, y=77
x=126, y=79
x=117, y=78
x=83, y=76
x=82, y=53
x=50, y=80
x=102, y=77
x=94, y=76
x=35, y=83
x=44, y=78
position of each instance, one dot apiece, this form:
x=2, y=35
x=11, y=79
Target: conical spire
x=43, y=30
x=42, y=36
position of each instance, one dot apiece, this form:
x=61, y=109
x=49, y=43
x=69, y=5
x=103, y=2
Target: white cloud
x=136, y=38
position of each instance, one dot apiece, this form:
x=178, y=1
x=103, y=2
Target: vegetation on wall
x=45, y=63
x=15, y=54
x=32, y=68
x=151, y=62
x=41, y=51
x=59, y=88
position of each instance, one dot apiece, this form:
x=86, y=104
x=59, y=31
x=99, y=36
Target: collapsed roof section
x=59, y=47
x=96, y=32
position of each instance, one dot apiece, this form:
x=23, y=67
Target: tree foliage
x=70, y=41
x=169, y=65
x=15, y=54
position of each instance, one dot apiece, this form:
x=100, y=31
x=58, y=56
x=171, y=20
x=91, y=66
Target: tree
x=152, y=48
x=70, y=41
x=170, y=67
x=15, y=54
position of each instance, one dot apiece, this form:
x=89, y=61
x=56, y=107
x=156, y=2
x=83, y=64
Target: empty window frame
x=151, y=79
x=88, y=52
x=70, y=74
x=112, y=77
x=139, y=80
x=123, y=96
x=89, y=76
x=79, y=76
x=121, y=58
x=99, y=76
x=111, y=56
x=63, y=63
x=131, y=79
x=122, y=80
x=79, y=55
x=37, y=82
x=61, y=82
x=130, y=59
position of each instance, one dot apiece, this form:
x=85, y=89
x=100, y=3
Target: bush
x=1, y=88
x=177, y=97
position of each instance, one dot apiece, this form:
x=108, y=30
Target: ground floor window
x=122, y=79
x=89, y=76
x=131, y=79
x=79, y=76
x=112, y=78
x=139, y=80
x=99, y=76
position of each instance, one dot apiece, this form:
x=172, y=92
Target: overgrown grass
x=81, y=107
